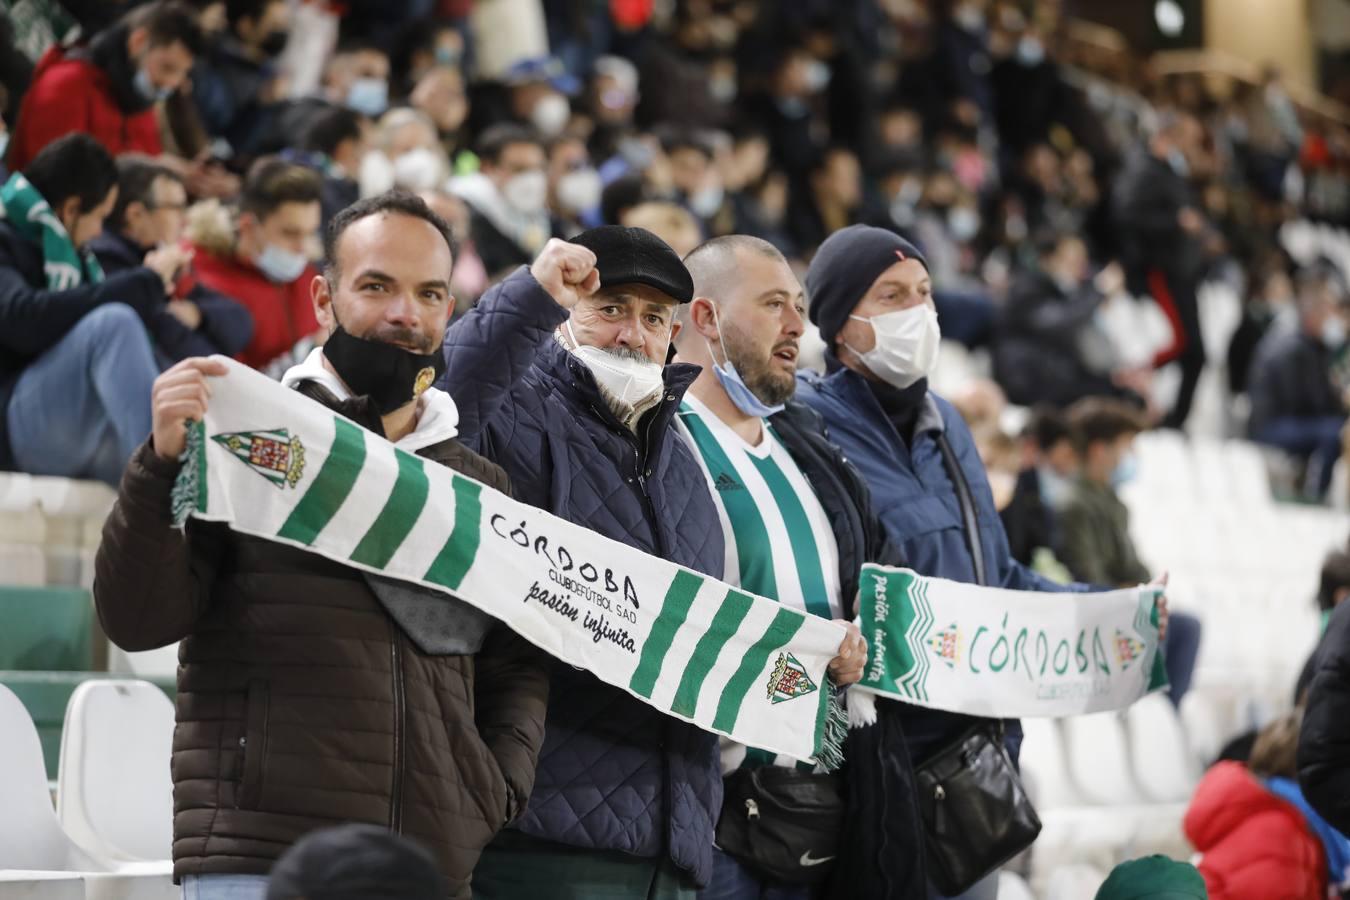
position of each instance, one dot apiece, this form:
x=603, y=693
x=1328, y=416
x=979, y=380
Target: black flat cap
x=636, y=256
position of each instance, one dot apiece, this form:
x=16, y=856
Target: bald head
x=716, y=265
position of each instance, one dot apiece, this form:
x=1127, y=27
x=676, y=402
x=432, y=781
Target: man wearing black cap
x=558, y=374
x=872, y=298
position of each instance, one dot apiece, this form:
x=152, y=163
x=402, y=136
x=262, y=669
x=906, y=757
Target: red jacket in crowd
x=1254, y=845
x=282, y=313
x=73, y=94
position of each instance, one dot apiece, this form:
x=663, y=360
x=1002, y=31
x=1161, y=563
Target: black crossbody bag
x=975, y=812
x=781, y=823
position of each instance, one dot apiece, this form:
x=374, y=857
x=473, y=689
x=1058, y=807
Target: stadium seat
x=46, y=629
x=1075, y=881
x=1099, y=759
x=1163, y=764
x=114, y=790
x=30, y=835
x=1045, y=766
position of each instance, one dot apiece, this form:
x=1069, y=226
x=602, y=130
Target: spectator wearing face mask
x=574, y=186
x=358, y=78
x=407, y=155
x=237, y=86
x=109, y=89
x=334, y=144
x=508, y=198
x=260, y=257
x=440, y=94
x=1049, y=465
x=1296, y=403
x=75, y=360
x=537, y=92
x=694, y=175
x=832, y=198
x=150, y=216
x=1048, y=348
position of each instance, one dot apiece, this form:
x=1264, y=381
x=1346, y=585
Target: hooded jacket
x=301, y=702
x=89, y=91
x=1253, y=845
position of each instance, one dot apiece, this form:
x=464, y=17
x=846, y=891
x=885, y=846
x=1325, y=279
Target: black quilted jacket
x=614, y=773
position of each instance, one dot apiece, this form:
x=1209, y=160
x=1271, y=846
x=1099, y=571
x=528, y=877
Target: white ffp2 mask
x=906, y=345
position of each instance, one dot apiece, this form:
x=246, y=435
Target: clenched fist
x=567, y=271
x=179, y=395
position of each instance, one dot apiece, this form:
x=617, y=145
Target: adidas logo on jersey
x=725, y=482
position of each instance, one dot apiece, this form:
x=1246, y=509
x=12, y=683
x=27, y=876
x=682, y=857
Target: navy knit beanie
x=844, y=268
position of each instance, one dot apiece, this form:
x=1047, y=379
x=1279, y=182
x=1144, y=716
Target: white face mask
x=1333, y=333
x=705, y=202
x=527, y=192
x=907, y=345
x=579, y=190
x=418, y=170
x=627, y=381
x=550, y=114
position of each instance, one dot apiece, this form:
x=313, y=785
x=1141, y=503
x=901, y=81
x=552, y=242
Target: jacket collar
x=852, y=388
x=437, y=415
x=575, y=380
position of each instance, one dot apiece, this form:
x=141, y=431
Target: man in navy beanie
x=871, y=296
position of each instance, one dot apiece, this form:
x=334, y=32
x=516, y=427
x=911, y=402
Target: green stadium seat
x=46, y=629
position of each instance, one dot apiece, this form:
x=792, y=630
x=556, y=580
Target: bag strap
x=971, y=521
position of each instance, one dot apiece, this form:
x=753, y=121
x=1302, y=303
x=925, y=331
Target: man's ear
x=703, y=318
x=69, y=212
x=138, y=40
x=321, y=295
x=675, y=328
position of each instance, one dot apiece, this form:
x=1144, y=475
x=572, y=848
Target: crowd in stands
x=170, y=170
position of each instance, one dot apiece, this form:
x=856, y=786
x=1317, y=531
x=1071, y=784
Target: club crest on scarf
x=275, y=455
x=789, y=679
x=1127, y=649
x=946, y=644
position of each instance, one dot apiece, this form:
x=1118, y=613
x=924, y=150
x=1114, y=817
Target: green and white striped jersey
x=779, y=541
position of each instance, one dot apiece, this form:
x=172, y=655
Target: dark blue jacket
x=226, y=327
x=34, y=319
x=919, y=509
x=614, y=773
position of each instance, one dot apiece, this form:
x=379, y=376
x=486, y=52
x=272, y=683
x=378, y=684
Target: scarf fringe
x=831, y=753
x=187, y=486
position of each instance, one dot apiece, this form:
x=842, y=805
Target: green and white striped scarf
x=271, y=463
x=64, y=266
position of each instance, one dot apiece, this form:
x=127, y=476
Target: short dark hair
x=497, y=138
x=1047, y=427
x=1101, y=420
x=398, y=202
x=1049, y=242
x=272, y=182
x=169, y=23
x=1335, y=576
x=329, y=128
x=237, y=11
x=73, y=166
x=136, y=177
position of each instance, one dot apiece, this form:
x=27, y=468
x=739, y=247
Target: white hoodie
x=437, y=415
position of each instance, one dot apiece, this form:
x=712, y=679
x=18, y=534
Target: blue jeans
x=1314, y=438
x=733, y=881
x=224, y=887
x=83, y=407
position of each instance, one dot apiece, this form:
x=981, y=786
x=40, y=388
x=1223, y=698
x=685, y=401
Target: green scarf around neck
x=65, y=266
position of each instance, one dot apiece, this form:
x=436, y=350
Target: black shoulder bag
x=781, y=823
x=975, y=812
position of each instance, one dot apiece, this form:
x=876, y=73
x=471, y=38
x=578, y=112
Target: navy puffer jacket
x=614, y=773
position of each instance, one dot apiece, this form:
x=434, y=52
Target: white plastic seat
x=1045, y=765
x=1163, y=764
x=158, y=663
x=30, y=835
x=115, y=791
x=1074, y=881
x=1099, y=759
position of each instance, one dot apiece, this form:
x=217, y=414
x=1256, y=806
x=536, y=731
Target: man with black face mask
x=311, y=692
x=236, y=88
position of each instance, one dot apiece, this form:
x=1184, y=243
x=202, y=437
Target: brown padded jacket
x=301, y=703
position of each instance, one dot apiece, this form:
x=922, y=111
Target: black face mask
x=390, y=376
x=274, y=43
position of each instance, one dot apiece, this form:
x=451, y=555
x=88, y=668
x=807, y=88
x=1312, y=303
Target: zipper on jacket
x=400, y=724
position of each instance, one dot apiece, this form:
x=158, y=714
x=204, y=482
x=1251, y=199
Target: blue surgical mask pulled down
x=146, y=88
x=1125, y=471
x=739, y=392
x=280, y=265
